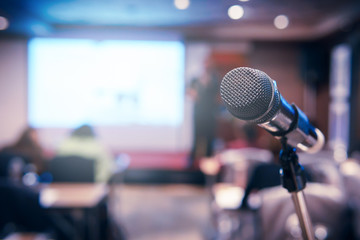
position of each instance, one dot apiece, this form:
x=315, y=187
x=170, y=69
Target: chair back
x=238, y=164
x=12, y=166
x=72, y=169
x=326, y=205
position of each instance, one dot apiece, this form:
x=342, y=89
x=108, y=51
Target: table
x=72, y=195
x=84, y=199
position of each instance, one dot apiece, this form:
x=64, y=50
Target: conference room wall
x=13, y=88
x=280, y=62
x=13, y=61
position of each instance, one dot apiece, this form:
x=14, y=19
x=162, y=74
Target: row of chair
x=248, y=201
x=15, y=173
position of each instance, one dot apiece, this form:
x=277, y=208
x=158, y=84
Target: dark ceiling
x=204, y=19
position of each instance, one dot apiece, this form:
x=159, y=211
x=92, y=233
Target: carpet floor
x=162, y=212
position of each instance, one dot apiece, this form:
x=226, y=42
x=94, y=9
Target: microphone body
x=251, y=95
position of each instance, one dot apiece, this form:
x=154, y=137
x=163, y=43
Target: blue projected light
x=105, y=83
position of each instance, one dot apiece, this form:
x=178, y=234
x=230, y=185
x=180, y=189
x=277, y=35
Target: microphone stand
x=294, y=180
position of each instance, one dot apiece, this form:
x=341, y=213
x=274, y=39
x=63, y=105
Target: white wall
x=13, y=89
x=13, y=106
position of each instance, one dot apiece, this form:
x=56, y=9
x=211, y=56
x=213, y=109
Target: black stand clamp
x=294, y=180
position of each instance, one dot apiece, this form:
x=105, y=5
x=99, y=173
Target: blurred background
x=124, y=94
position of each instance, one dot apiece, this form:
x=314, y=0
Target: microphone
x=251, y=95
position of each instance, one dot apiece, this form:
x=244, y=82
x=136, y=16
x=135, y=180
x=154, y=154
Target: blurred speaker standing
x=204, y=91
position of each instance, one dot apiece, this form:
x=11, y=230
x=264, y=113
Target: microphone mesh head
x=249, y=94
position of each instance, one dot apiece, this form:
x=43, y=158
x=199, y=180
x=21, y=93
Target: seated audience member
x=28, y=148
x=82, y=142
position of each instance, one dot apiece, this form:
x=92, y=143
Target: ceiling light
x=281, y=22
x=4, y=23
x=243, y=0
x=236, y=12
x=181, y=4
